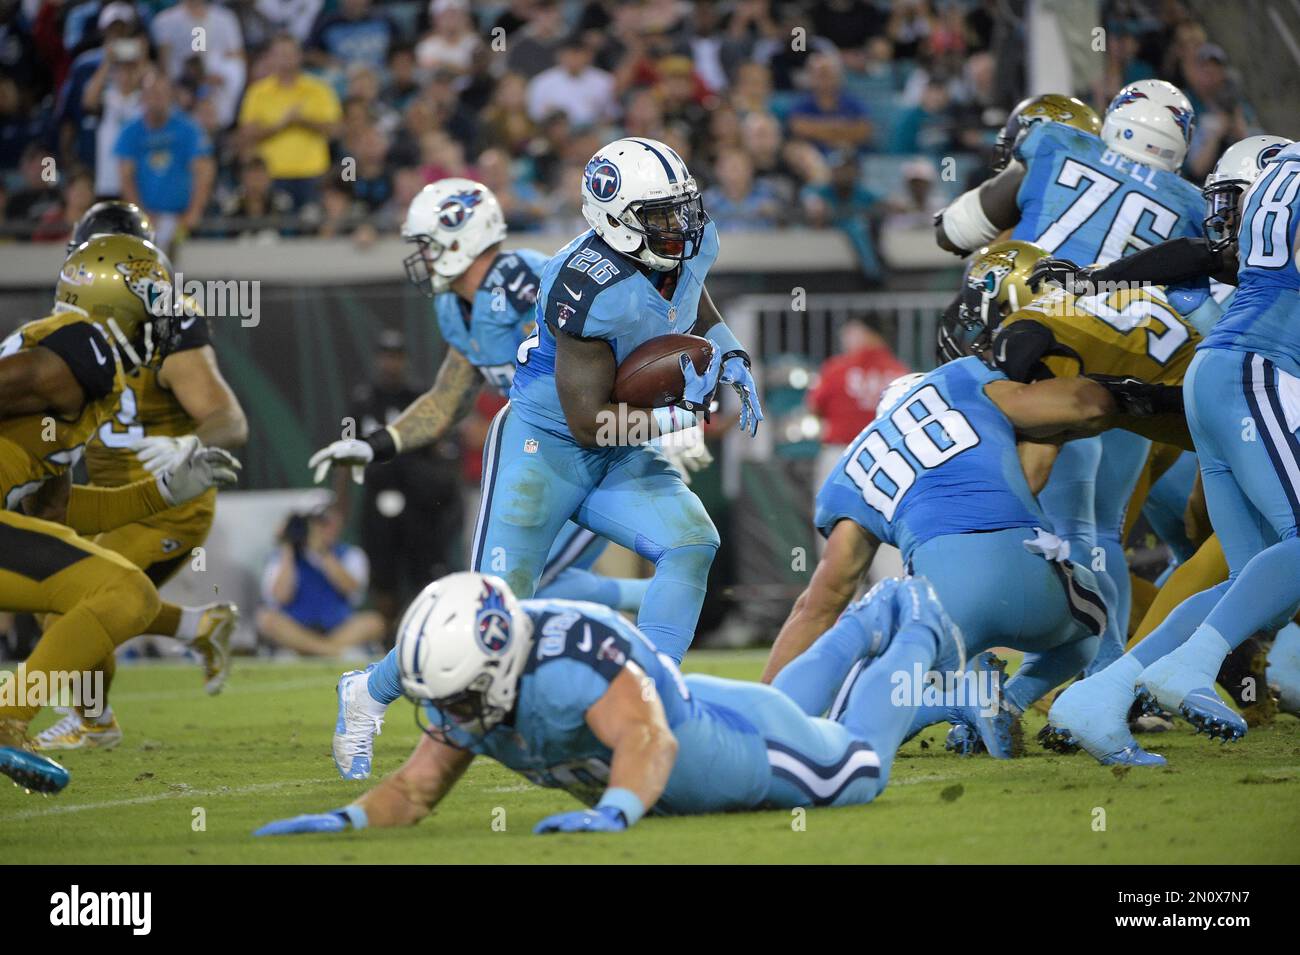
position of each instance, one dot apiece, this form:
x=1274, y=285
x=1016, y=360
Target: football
x=651, y=377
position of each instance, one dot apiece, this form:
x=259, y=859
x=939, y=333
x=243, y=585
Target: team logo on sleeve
x=456, y=210
x=492, y=624
x=603, y=179
x=564, y=311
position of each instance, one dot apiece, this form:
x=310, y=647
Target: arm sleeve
x=194, y=333
x=87, y=354
x=1175, y=262
x=1019, y=349
x=93, y=509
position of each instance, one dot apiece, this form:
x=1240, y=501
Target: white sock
x=189, y=625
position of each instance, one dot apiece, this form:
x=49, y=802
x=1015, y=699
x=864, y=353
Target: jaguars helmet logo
x=149, y=282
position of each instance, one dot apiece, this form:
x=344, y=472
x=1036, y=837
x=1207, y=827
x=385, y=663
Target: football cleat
x=1283, y=672
x=30, y=770
x=1092, y=715
x=357, y=725
x=73, y=732
x=1182, y=689
x=974, y=729
x=216, y=627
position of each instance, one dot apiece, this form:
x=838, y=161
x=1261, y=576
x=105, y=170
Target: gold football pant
x=102, y=599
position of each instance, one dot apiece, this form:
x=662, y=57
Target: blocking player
x=572, y=696
x=60, y=379
x=178, y=402
x=938, y=475
x=1240, y=396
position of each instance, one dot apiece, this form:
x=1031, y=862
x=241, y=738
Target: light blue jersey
x=1264, y=316
x=942, y=461
x=489, y=331
x=1086, y=203
x=590, y=291
x=740, y=745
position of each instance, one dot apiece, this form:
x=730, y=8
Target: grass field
x=260, y=751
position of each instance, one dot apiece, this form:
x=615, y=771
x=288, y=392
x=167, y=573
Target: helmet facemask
x=671, y=229
x=464, y=714
x=1222, y=213
x=420, y=266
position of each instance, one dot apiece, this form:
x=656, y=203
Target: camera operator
x=312, y=587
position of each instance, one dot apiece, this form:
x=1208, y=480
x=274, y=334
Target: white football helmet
x=1237, y=168
x=453, y=221
x=462, y=646
x=895, y=390
x=1150, y=122
x=639, y=197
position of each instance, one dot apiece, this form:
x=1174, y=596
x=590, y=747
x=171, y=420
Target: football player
x=1240, y=397
x=484, y=299
x=177, y=402
x=938, y=475
x=1131, y=333
x=61, y=379
x=574, y=697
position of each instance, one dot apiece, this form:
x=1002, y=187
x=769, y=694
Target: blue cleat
x=872, y=617
x=360, y=720
x=1182, y=689
x=35, y=773
x=989, y=723
x=1092, y=715
x=1284, y=669
x=916, y=603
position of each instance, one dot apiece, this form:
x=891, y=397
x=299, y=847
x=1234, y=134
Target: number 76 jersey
x=941, y=461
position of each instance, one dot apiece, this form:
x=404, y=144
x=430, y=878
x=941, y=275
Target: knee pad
x=691, y=561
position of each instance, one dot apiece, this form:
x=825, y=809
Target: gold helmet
x=994, y=286
x=124, y=285
x=1050, y=107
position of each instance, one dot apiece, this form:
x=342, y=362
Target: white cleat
x=360, y=720
x=72, y=732
x=216, y=627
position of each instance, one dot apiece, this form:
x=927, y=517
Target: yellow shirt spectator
x=296, y=111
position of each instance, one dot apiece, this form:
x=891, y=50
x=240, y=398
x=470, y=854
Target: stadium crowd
x=256, y=117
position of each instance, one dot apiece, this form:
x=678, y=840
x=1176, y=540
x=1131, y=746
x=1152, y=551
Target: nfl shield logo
x=530, y=446
x=672, y=314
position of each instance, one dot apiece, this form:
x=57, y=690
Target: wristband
x=726, y=340
x=384, y=443
x=625, y=801
x=355, y=815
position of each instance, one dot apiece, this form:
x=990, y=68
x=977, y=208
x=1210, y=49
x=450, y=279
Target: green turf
x=260, y=751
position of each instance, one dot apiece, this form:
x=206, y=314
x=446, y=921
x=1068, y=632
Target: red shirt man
x=851, y=383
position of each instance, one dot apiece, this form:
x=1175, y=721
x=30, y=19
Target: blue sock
x=573, y=583
x=1117, y=592
x=813, y=678
x=385, y=681
x=1263, y=595
x=1178, y=626
x=872, y=711
x=670, y=611
x=631, y=593
x=1040, y=673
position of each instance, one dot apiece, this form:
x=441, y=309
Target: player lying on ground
x=938, y=475
x=176, y=402
x=1243, y=407
x=484, y=299
x=574, y=697
x=68, y=371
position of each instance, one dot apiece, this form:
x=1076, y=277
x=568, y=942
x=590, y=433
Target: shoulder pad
x=516, y=279
x=570, y=635
x=589, y=270
x=87, y=353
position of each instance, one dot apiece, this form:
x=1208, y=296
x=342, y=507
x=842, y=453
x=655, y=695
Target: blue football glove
x=736, y=373
x=312, y=822
x=600, y=819
x=698, y=393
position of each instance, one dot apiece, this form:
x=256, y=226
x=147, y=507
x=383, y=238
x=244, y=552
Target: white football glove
x=200, y=469
x=163, y=454
x=349, y=452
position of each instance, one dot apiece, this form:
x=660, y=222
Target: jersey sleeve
x=1019, y=348
x=85, y=350
x=590, y=296
x=575, y=661
x=193, y=332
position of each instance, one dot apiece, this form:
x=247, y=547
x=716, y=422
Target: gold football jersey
x=37, y=447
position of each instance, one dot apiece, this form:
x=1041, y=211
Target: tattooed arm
x=430, y=416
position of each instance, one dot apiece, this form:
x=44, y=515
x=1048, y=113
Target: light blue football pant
x=1166, y=504
x=567, y=576
x=534, y=482
x=1250, y=467
x=1123, y=456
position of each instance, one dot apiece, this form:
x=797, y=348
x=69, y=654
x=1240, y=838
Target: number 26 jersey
x=941, y=461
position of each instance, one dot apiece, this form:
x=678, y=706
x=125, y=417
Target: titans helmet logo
x=492, y=623
x=603, y=179
x=1183, y=117
x=455, y=211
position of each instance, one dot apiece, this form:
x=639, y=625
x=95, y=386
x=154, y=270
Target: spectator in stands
x=312, y=587
x=254, y=27
x=369, y=180
x=761, y=134
x=1220, y=114
x=505, y=123
x=290, y=118
x=19, y=124
x=752, y=91
x=536, y=47
x=520, y=202
x=574, y=87
x=451, y=43
x=828, y=117
x=848, y=388
x=166, y=163
x=355, y=35
x=738, y=201
x=257, y=204
x=113, y=95
x=916, y=207
x=364, y=87
x=845, y=203
x=295, y=17
x=681, y=95
x=401, y=82
x=219, y=65
x=58, y=221
x=927, y=126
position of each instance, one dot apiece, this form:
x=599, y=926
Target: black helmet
x=113, y=217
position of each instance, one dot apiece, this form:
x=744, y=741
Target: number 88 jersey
x=940, y=461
